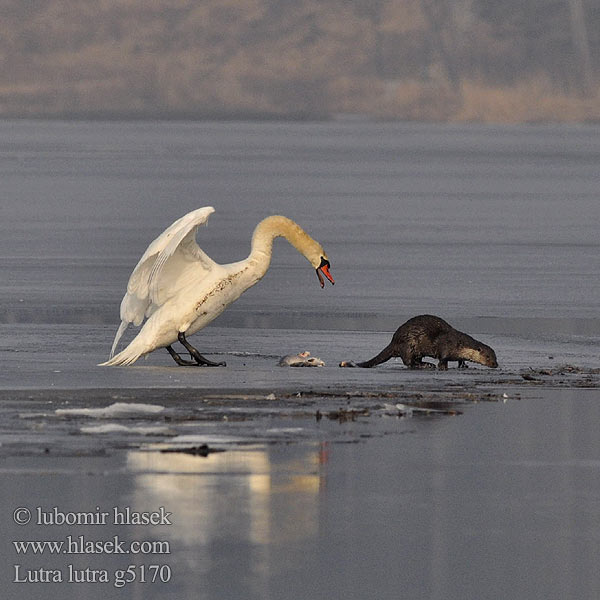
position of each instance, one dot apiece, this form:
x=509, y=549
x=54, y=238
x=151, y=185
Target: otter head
x=478, y=353
x=485, y=356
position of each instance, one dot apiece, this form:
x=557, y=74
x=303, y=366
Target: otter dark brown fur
x=427, y=335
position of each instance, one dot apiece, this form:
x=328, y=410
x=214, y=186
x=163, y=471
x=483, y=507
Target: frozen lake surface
x=311, y=482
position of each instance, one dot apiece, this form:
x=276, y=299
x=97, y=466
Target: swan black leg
x=180, y=361
x=200, y=360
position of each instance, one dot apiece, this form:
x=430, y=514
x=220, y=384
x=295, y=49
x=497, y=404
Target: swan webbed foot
x=202, y=361
x=181, y=361
x=198, y=358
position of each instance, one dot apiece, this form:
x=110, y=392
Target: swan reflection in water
x=260, y=496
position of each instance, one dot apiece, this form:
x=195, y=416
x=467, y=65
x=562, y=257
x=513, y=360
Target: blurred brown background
x=439, y=60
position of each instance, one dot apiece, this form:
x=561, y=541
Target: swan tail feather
x=127, y=356
x=120, y=332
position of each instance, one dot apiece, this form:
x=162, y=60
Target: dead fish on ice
x=302, y=359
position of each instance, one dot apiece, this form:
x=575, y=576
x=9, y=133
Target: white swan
x=179, y=289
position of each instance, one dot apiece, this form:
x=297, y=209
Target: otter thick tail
x=383, y=356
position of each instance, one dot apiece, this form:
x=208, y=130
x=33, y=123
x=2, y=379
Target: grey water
x=493, y=228
x=466, y=220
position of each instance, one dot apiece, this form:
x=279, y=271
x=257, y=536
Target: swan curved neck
x=277, y=226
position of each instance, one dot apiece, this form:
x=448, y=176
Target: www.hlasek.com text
x=82, y=545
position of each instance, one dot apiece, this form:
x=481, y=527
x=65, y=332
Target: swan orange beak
x=324, y=270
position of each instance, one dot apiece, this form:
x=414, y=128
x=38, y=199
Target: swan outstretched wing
x=171, y=262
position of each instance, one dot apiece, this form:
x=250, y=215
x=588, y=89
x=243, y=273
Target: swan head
x=323, y=269
x=314, y=253
x=274, y=226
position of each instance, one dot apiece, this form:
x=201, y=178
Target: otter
x=428, y=335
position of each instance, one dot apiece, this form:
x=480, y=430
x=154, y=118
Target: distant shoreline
x=227, y=117
x=268, y=117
